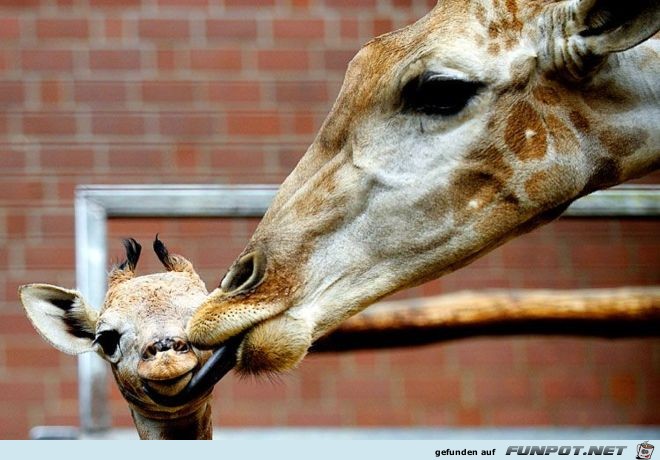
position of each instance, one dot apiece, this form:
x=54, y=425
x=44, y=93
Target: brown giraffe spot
x=605, y=99
x=621, y=142
x=490, y=159
x=550, y=186
x=606, y=173
x=525, y=134
x=546, y=95
x=565, y=140
x=475, y=189
x=493, y=30
x=479, y=13
x=579, y=121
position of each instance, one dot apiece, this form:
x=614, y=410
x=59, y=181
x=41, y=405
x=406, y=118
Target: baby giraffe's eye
x=436, y=94
x=108, y=340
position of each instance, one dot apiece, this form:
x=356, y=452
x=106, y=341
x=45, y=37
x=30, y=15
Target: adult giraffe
x=478, y=123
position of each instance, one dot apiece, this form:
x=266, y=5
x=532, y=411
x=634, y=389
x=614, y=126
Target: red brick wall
x=232, y=91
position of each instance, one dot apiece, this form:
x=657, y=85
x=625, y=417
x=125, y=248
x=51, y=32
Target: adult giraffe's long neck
x=193, y=425
x=623, y=119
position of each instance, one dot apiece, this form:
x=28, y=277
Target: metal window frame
x=95, y=204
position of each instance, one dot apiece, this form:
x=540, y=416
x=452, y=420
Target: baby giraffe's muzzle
x=166, y=365
x=184, y=385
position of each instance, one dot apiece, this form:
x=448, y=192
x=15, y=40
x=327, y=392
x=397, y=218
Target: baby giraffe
x=140, y=331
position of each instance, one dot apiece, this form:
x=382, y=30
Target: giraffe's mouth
x=201, y=383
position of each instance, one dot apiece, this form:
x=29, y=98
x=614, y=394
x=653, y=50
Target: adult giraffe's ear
x=579, y=33
x=61, y=316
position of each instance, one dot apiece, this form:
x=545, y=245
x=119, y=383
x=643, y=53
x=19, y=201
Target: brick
x=10, y=28
x=249, y=3
x=364, y=390
x=51, y=92
x=115, y=3
x=554, y=352
x=164, y=29
x=58, y=224
x=114, y=28
x=101, y=93
x=519, y=416
x=572, y=386
x=305, y=123
x=43, y=60
x=187, y=156
x=29, y=357
x=114, y=60
x=520, y=255
x=168, y=91
x=18, y=3
x=67, y=158
x=216, y=59
x=486, y=352
x=353, y=4
x=381, y=414
x=298, y=29
x=183, y=3
x=502, y=389
x=624, y=388
x=166, y=60
x=242, y=415
x=589, y=255
x=231, y=29
x=302, y=93
x=197, y=227
x=121, y=124
x=12, y=160
x=337, y=60
x=313, y=416
x=433, y=390
x=235, y=92
x=282, y=60
x=349, y=28
x=253, y=124
x=16, y=222
x=55, y=124
x=135, y=158
x=381, y=26
x=236, y=159
x=49, y=29
x=15, y=323
x=49, y=256
x=186, y=124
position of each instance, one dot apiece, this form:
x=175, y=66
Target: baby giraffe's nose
x=166, y=365
x=176, y=344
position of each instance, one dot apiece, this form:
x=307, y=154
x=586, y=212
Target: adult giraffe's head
x=479, y=122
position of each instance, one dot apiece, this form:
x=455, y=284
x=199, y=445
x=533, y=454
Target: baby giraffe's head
x=141, y=331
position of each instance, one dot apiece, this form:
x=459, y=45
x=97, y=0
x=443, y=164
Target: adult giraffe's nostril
x=246, y=273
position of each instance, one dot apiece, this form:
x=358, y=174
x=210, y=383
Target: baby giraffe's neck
x=194, y=425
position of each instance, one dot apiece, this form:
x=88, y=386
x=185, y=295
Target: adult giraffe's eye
x=108, y=340
x=435, y=94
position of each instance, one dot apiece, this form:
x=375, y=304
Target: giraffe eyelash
x=434, y=94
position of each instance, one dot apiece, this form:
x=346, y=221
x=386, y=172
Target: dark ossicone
x=219, y=364
x=133, y=249
x=163, y=254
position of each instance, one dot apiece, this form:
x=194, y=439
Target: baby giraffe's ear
x=61, y=316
